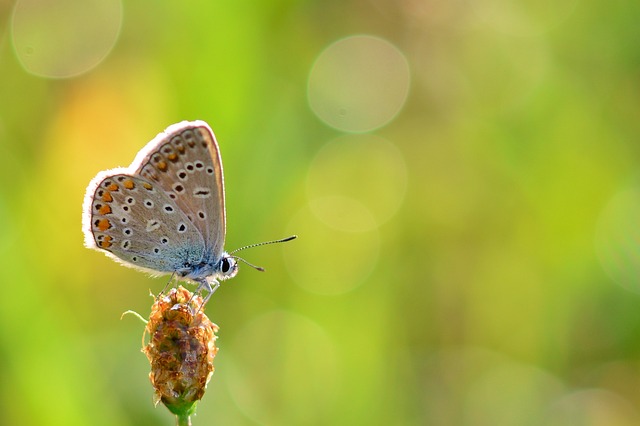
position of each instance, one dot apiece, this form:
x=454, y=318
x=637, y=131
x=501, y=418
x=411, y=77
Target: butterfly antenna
x=284, y=240
x=258, y=268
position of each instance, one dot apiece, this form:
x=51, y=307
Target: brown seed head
x=181, y=349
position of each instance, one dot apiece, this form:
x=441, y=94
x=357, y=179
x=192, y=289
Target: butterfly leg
x=209, y=287
x=166, y=286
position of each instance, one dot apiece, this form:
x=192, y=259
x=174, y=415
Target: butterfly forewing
x=134, y=220
x=185, y=162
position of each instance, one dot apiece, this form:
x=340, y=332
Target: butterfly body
x=165, y=212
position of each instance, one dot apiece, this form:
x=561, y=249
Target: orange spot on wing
x=147, y=186
x=162, y=166
x=104, y=210
x=173, y=157
x=113, y=187
x=106, y=242
x=104, y=224
x=129, y=184
x=106, y=197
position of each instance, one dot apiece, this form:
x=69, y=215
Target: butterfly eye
x=228, y=266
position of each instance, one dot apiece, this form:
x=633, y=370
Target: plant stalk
x=183, y=420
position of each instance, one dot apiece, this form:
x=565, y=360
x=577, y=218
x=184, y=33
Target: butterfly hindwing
x=134, y=221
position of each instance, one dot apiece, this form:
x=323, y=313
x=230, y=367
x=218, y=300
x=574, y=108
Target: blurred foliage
x=470, y=258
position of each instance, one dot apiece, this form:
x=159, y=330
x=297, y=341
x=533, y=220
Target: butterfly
x=165, y=213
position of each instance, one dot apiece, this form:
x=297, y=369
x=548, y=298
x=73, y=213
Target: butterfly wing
x=185, y=162
x=135, y=222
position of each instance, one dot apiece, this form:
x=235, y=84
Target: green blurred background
x=463, y=177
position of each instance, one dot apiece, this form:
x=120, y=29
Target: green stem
x=183, y=420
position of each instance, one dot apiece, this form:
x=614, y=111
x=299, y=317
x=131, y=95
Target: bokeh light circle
x=618, y=239
x=64, y=38
x=331, y=261
x=358, y=83
x=364, y=175
x=285, y=369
